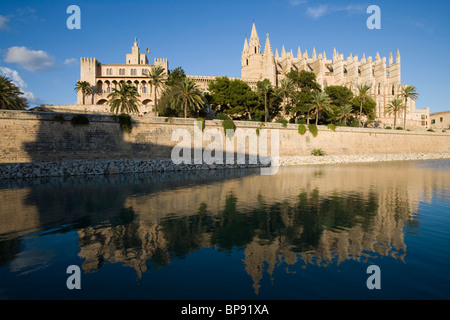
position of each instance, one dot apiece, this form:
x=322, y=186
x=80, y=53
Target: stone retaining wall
x=38, y=144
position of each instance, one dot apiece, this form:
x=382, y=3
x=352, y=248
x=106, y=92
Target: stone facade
x=384, y=79
x=256, y=66
x=440, y=120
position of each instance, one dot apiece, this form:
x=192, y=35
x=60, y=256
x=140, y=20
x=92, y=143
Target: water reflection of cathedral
x=311, y=215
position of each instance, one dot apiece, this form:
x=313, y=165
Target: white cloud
x=4, y=23
x=30, y=60
x=14, y=76
x=317, y=12
x=71, y=61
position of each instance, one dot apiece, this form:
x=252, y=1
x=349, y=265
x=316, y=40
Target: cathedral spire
x=276, y=53
x=268, y=47
x=391, y=58
x=398, y=56
x=314, y=54
x=245, y=45
x=254, y=34
x=299, y=53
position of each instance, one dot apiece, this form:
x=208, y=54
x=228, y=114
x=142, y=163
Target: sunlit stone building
x=383, y=75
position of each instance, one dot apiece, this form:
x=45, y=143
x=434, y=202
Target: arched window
x=133, y=72
x=393, y=90
x=122, y=72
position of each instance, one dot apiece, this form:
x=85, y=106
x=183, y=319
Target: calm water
x=305, y=233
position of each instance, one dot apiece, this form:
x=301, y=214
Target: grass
x=318, y=153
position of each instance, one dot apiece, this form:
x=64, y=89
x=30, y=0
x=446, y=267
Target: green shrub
x=228, y=124
x=58, y=118
x=399, y=128
x=332, y=127
x=302, y=121
x=222, y=116
x=318, y=153
x=430, y=130
x=283, y=122
x=125, y=122
x=388, y=128
x=355, y=124
x=301, y=129
x=202, y=124
x=79, y=120
x=168, y=119
x=313, y=129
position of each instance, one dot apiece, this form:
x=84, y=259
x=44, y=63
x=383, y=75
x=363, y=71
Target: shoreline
x=123, y=166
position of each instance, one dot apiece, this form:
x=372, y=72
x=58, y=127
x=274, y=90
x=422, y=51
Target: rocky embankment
x=111, y=167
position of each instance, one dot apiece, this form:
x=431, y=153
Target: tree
x=320, y=102
x=345, y=112
x=124, y=99
x=363, y=95
x=304, y=80
x=339, y=95
x=264, y=88
x=157, y=78
x=408, y=92
x=10, y=95
x=286, y=89
x=187, y=92
x=234, y=97
x=395, y=108
x=85, y=87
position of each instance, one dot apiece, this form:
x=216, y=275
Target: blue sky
x=42, y=55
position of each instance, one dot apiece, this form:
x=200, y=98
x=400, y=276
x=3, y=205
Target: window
x=109, y=72
x=144, y=89
x=144, y=72
x=122, y=72
x=393, y=90
x=433, y=121
x=442, y=119
x=133, y=72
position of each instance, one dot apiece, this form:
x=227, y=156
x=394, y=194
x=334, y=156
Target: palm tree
x=287, y=88
x=320, y=101
x=189, y=94
x=157, y=78
x=363, y=95
x=264, y=88
x=85, y=88
x=408, y=92
x=124, y=99
x=10, y=95
x=395, y=108
x=345, y=112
